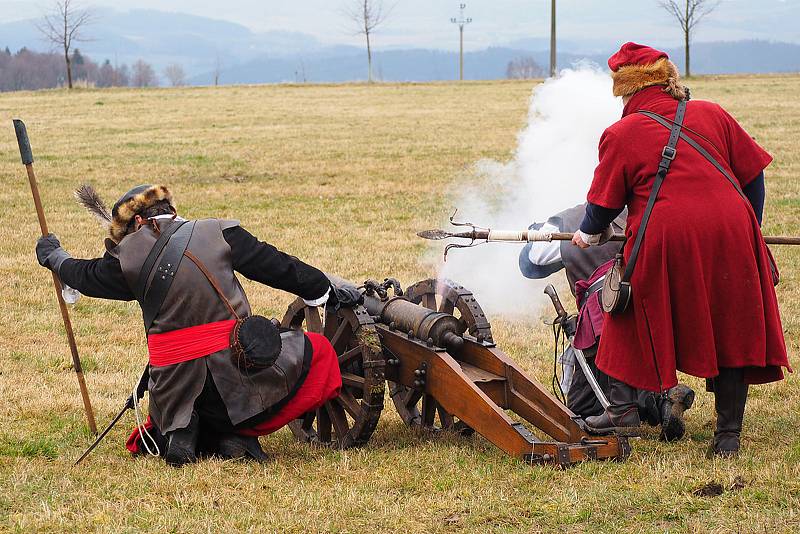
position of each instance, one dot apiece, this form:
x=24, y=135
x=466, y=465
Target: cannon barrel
x=441, y=329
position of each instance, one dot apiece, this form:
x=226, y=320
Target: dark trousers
x=582, y=401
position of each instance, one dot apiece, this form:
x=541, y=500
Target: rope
x=143, y=432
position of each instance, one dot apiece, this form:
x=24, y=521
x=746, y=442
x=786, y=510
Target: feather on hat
x=125, y=209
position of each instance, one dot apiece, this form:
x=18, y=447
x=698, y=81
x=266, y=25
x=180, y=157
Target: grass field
x=341, y=176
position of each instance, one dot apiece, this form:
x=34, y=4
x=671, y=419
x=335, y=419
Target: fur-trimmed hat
x=125, y=209
x=635, y=67
x=133, y=203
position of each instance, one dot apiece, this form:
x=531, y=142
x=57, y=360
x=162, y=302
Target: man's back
x=191, y=300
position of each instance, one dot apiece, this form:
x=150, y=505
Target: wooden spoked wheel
x=415, y=408
x=350, y=419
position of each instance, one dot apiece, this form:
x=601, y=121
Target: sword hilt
x=551, y=292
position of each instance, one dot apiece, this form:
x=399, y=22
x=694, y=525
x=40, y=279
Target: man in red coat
x=703, y=298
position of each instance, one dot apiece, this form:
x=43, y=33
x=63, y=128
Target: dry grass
x=341, y=176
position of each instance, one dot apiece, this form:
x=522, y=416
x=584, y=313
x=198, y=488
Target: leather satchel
x=617, y=290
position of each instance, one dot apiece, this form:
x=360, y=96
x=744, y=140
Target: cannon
x=433, y=345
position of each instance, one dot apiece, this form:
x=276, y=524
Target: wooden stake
x=27, y=160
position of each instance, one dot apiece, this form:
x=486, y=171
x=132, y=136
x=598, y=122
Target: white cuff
x=320, y=301
x=590, y=239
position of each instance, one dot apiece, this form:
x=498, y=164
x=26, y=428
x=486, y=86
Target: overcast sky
x=426, y=23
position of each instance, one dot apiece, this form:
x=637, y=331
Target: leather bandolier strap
x=173, y=242
x=694, y=144
x=214, y=283
x=665, y=122
x=667, y=155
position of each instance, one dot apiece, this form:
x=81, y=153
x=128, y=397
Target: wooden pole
x=768, y=239
x=461, y=53
x=27, y=160
x=552, y=38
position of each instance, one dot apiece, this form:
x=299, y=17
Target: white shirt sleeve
x=597, y=239
x=320, y=301
x=543, y=252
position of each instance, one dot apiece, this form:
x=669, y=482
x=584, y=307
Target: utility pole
x=552, y=38
x=461, y=21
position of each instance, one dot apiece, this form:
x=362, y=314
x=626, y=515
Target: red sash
x=189, y=343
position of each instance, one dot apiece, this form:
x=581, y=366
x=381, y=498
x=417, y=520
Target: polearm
x=478, y=235
x=27, y=160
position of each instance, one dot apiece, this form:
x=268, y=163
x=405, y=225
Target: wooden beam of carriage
x=479, y=383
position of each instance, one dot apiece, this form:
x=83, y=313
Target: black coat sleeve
x=755, y=193
x=597, y=218
x=264, y=263
x=99, y=278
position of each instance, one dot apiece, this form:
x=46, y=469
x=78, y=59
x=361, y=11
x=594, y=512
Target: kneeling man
x=205, y=397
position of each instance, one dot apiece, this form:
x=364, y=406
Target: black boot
x=236, y=447
x=182, y=443
x=649, y=407
x=677, y=400
x=622, y=416
x=730, y=398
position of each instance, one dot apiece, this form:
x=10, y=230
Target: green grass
x=341, y=176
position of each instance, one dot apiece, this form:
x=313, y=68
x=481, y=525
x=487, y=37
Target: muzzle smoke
x=551, y=171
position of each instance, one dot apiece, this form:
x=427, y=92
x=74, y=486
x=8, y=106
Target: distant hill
x=741, y=57
x=199, y=43
x=349, y=63
x=161, y=38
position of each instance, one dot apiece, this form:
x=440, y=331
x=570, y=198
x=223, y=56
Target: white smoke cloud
x=551, y=171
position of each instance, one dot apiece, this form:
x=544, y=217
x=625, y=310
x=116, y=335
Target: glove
x=49, y=252
x=345, y=297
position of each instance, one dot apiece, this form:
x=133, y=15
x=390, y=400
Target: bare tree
x=688, y=13
x=523, y=68
x=143, y=75
x=217, y=70
x=63, y=27
x=106, y=75
x=175, y=74
x=122, y=77
x=366, y=16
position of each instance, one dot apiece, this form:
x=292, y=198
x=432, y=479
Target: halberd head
x=635, y=67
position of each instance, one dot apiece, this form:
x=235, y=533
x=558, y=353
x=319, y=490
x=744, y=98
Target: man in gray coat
x=541, y=259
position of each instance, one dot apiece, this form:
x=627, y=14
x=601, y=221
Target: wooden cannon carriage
x=434, y=347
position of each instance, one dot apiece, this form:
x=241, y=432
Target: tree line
x=29, y=70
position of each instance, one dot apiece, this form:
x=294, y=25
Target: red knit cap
x=634, y=54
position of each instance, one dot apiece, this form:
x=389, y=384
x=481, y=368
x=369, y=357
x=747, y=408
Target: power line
x=461, y=21
x=552, y=38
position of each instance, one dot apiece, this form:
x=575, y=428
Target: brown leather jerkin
x=192, y=300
